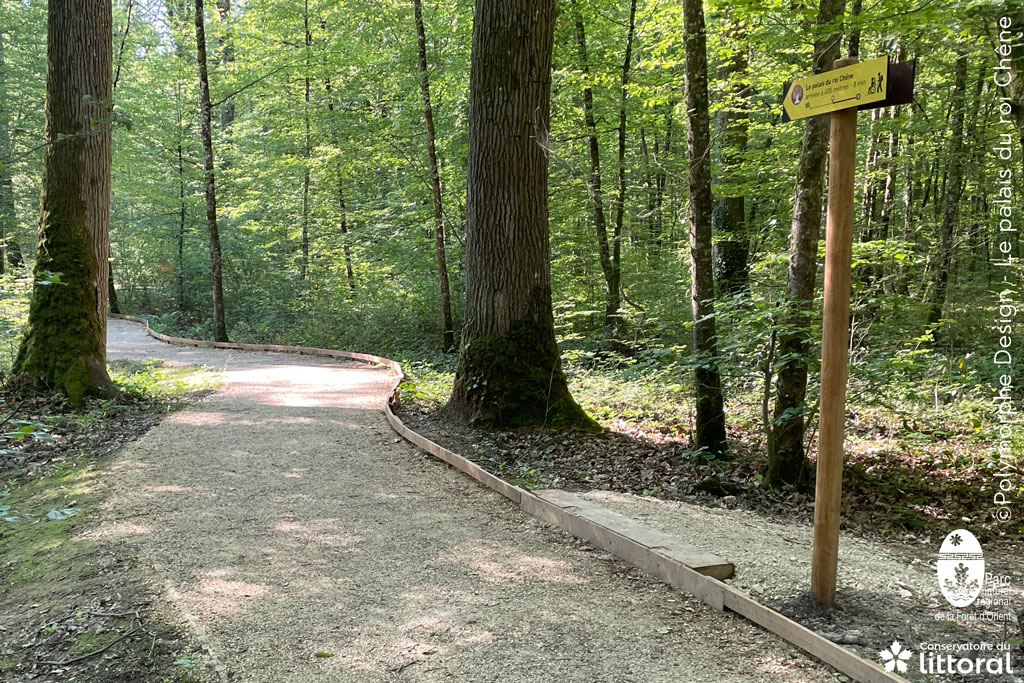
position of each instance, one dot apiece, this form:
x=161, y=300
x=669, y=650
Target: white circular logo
x=961, y=568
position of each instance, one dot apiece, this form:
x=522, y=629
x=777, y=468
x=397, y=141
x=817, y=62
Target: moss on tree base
x=514, y=380
x=63, y=346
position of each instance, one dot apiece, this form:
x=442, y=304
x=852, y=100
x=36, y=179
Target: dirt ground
x=297, y=538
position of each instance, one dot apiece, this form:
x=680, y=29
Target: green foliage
x=153, y=381
x=366, y=161
x=14, y=300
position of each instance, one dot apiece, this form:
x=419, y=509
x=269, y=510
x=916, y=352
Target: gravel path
x=282, y=518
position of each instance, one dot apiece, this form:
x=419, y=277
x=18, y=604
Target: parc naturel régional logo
x=961, y=575
x=961, y=568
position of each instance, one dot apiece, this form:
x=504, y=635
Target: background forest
x=326, y=206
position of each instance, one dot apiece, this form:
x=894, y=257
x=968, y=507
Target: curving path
x=282, y=518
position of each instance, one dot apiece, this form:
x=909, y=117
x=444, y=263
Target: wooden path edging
x=638, y=544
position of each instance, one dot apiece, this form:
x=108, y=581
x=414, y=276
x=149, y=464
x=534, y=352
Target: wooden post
x=834, y=343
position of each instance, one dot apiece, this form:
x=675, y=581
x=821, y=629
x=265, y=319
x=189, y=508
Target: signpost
x=842, y=88
x=848, y=87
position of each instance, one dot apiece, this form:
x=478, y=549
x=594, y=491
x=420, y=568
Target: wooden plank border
x=654, y=560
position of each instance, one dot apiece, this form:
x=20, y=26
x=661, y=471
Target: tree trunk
x=661, y=177
x=787, y=463
x=649, y=184
x=732, y=250
x=448, y=335
x=346, y=250
x=64, y=347
x=8, y=216
x=853, y=43
x=304, y=265
x=510, y=369
x=709, y=431
x=343, y=224
x=1015, y=90
x=620, y=203
x=115, y=306
x=870, y=182
x=227, y=55
x=889, y=188
x=951, y=196
x=611, y=299
x=220, y=330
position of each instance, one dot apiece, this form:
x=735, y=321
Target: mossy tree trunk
x=787, y=462
x=64, y=347
x=510, y=370
x=709, y=431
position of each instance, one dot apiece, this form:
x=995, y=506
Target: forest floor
x=71, y=608
x=285, y=527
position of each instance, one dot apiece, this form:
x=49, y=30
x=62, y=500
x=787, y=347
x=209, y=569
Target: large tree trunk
x=787, y=463
x=510, y=368
x=951, y=196
x=220, y=330
x=448, y=336
x=732, y=250
x=709, y=431
x=64, y=347
x=611, y=300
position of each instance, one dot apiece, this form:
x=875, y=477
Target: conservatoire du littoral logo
x=961, y=568
x=895, y=657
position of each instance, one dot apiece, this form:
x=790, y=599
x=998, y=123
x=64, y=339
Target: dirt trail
x=282, y=518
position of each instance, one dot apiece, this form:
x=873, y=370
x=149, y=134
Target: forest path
x=286, y=519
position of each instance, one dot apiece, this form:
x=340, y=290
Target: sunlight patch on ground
x=433, y=625
x=505, y=565
x=168, y=488
x=214, y=593
x=418, y=639
x=124, y=466
x=318, y=532
x=782, y=664
x=118, y=531
x=197, y=418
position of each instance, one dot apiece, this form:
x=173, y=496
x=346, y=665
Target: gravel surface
x=300, y=539
x=884, y=591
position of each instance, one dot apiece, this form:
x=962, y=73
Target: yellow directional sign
x=850, y=86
